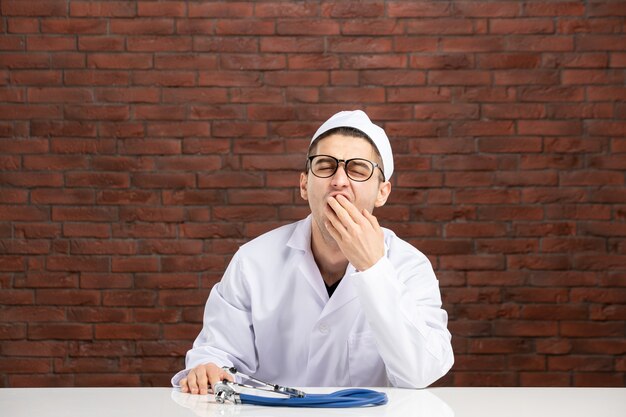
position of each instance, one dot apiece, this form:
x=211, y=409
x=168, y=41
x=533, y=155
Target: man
x=331, y=300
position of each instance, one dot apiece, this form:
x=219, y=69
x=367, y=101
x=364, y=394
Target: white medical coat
x=271, y=317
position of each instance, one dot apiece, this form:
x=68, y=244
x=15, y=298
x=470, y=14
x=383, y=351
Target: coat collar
x=301, y=236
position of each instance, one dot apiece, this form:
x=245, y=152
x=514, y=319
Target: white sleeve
x=403, y=308
x=227, y=336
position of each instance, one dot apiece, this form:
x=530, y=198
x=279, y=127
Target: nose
x=340, y=177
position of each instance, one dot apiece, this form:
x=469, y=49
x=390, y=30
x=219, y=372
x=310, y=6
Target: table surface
x=432, y=402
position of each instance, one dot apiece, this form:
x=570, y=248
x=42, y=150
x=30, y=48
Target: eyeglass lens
x=357, y=169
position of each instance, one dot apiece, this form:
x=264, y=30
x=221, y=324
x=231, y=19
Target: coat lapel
x=301, y=240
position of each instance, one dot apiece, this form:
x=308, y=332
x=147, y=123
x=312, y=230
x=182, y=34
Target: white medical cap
x=357, y=119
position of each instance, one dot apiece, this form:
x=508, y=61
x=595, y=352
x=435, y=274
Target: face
x=364, y=195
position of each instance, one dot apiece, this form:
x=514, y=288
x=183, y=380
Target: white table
x=433, y=402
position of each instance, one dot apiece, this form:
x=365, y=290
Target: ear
x=383, y=193
x=304, y=182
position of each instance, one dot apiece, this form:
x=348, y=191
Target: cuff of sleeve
x=376, y=271
x=176, y=378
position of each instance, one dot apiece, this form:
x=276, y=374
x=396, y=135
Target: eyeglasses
x=357, y=169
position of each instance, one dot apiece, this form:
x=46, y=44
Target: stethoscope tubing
x=353, y=397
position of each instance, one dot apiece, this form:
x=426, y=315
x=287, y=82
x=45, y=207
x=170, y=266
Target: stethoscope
x=353, y=397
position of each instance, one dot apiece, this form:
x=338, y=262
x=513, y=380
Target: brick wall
x=142, y=142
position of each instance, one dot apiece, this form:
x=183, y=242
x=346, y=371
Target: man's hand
x=357, y=233
x=202, y=378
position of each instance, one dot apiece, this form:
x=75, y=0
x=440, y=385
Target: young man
x=334, y=299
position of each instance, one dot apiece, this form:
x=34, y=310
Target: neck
x=329, y=259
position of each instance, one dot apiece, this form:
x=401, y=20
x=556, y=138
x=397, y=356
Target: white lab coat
x=271, y=317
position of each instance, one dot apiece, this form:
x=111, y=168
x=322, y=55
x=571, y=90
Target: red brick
x=20, y=60
x=240, y=129
x=139, y=26
x=313, y=62
x=162, y=9
x=178, y=129
x=472, y=44
x=516, y=77
x=236, y=44
x=202, y=146
x=70, y=331
x=194, y=95
x=22, y=112
x=151, y=147
x=45, y=8
x=256, y=112
x=158, y=43
x=73, y=26
x=67, y=60
x=297, y=78
x=359, y=44
x=253, y=62
x=509, y=60
x=51, y=196
x=192, y=263
x=96, y=77
x=418, y=44
x=190, y=163
x=417, y=94
x=348, y=77
x=37, y=230
x=36, y=77
x=374, y=61
x=119, y=61
x=244, y=27
x=101, y=43
x=350, y=10
x=22, y=25
x=521, y=26
x=159, y=112
x=442, y=62
x=376, y=26
x=103, y=8
x=123, y=130
x=47, y=43
x=472, y=262
x=218, y=9
x=126, y=331
x=597, y=379
x=59, y=95
x=24, y=366
x=97, y=112
x=593, y=42
x=440, y=26
x=404, y=9
x=307, y=27
x=483, y=128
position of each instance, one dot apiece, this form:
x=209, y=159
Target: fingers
x=345, y=210
x=197, y=380
x=337, y=214
x=216, y=375
x=184, y=387
x=371, y=218
x=202, y=379
x=349, y=207
x=337, y=228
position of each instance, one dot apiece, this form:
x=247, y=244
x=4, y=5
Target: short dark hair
x=346, y=131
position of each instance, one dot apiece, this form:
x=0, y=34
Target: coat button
x=323, y=328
